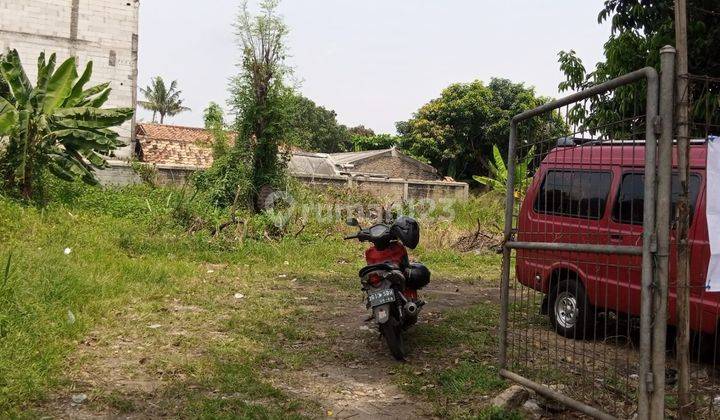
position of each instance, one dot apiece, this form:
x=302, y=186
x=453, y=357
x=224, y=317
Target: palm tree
x=162, y=100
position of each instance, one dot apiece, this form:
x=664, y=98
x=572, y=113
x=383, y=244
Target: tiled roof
x=175, y=145
x=189, y=146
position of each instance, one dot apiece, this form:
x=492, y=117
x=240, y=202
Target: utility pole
x=682, y=112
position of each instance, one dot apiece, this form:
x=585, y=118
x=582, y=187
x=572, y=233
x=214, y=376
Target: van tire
x=570, y=312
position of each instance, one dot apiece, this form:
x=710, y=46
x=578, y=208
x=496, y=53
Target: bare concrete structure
x=102, y=31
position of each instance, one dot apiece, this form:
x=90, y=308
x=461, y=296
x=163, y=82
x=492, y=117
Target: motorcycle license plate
x=381, y=297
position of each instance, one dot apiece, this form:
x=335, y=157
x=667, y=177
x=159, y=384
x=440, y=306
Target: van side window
x=580, y=194
x=629, y=205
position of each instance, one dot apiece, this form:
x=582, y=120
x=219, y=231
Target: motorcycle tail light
x=374, y=279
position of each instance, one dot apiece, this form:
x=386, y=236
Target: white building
x=102, y=31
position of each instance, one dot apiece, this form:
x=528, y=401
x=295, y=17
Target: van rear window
x=629, y=207
x=581, y=194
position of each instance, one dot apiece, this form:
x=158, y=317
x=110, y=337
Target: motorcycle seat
x=377, y=267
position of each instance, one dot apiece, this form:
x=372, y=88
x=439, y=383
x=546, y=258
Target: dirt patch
x=356, y=380
x=357, y=391
x=122, y=370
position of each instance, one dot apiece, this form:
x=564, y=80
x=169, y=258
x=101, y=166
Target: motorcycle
x=389, y=280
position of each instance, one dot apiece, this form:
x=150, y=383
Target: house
x=388, y=163
x=192, y=148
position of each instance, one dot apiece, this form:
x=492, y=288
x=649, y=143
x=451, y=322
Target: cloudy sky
x=373, y=61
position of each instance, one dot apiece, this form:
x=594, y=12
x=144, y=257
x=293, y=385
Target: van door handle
x=616, y=237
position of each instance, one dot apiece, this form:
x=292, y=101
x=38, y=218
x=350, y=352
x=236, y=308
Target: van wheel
x=570, y=312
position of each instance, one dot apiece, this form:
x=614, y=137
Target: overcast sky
x=374, y=62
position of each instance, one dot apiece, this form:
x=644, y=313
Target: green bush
x=228, y=180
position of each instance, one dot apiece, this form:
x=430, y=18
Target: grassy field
x=106, y=295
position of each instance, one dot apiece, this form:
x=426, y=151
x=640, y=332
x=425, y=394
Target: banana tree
x=498, y=172
x=57, y=125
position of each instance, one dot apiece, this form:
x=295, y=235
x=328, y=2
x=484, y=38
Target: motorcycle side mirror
x=351, y=221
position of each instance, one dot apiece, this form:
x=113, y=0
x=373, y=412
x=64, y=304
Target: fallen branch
x=301, y=230
x=478, y=239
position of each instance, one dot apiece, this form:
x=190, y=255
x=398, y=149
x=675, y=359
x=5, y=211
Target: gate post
x=505, y=274
x=667, y=105
x=645, y=387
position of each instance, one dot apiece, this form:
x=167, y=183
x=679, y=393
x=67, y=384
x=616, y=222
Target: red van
x=593, y=194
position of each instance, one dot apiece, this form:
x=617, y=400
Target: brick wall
x=101, y=31
x=396, y=167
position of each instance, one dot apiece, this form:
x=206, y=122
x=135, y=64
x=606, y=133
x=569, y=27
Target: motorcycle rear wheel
x=392, y=332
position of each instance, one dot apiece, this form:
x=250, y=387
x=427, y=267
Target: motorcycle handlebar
x=350, y=237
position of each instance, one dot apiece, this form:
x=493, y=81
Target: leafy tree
x=213, y=116
x=263, y=111
x=362, y=131
x=653, y=22
x=639, y=29
x=56, y=125
x=456, y=131
x=374, y=142
x=161, y=99
x=215, y=122
x=315, y=128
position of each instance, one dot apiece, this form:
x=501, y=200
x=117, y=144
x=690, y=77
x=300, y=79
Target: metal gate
x=587, y=245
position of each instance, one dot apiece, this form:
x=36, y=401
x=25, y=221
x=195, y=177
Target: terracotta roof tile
x=176, y=145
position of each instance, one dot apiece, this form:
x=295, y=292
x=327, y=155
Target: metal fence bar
x=549, y=393
x=664, y=174
x=646, y=297
x=505, y=274
x=648, y=73
x=575, y=247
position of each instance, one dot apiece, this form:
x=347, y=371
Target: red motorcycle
x=389, y=280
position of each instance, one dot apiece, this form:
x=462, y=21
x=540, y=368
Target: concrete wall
x=101, y=31
x=121, y=173
x=396, y=167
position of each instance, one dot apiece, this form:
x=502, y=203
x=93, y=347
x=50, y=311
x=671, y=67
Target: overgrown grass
x=93, y=257
x=465, y=375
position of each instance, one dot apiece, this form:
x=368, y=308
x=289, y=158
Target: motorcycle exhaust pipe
x=411, y=308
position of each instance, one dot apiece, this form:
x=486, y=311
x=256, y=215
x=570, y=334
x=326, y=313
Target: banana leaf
x=8, y=117
x=59, y=86
x=83, y=117
x=76, y=93
x=14, y=74
x=82, y=98
x=99, y=100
